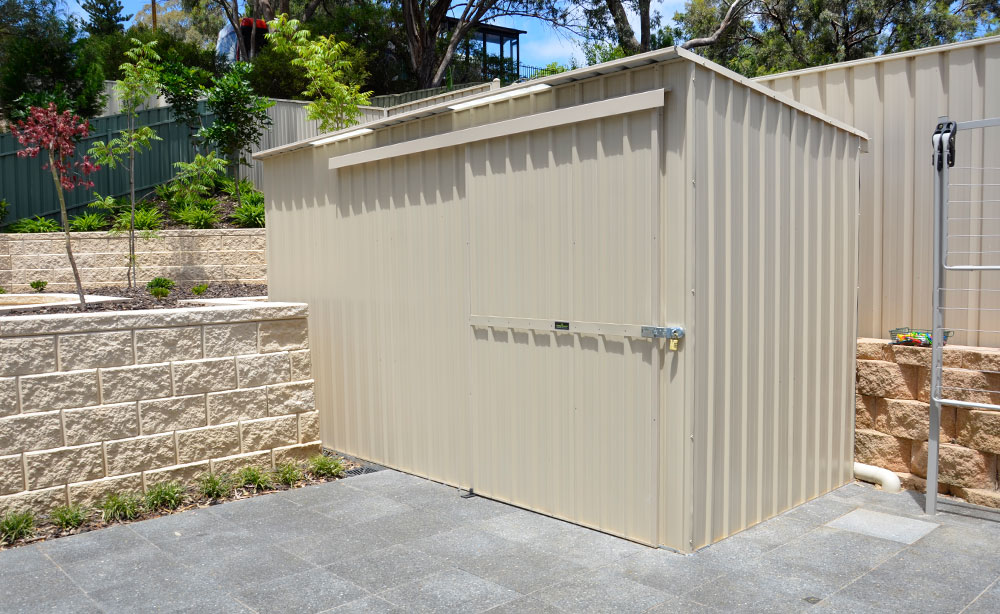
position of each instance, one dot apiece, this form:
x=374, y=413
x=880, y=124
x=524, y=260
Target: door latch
x=672, y=333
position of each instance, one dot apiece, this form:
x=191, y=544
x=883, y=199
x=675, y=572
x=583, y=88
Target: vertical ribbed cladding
x=774, y=214
x=897, y=99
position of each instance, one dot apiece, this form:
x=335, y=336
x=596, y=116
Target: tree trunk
x=626, y=36
x=311, y=7
x=65, y=225
x=644, y=26
x=131, y=274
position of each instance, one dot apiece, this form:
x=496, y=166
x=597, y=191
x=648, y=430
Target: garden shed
x=623, y=295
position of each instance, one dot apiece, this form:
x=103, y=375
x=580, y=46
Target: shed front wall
x=897, y=101
x=772, y=222
x=380, y=254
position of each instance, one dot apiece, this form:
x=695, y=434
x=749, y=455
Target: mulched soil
x=141, y=299
x=46, y=531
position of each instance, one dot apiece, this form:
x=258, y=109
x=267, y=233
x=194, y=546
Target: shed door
x=561, y=235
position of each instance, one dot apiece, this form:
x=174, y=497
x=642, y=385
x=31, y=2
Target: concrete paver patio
x=390, y=542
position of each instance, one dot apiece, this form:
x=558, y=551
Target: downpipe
x=888, y=480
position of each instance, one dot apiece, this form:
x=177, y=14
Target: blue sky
x=539, y=46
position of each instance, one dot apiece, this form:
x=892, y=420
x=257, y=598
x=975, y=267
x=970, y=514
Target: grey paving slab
x=601, y=591
x=389, y=567
x=367, y=605
x=315, y=590
x=451, y=590
x=886, y=526
x=390, y=542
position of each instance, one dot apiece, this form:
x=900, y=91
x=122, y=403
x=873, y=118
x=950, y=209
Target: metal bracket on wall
x=672, y=333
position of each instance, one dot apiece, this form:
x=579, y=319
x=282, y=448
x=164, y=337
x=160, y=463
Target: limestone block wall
x=186, y=256
x=100, y=402
x=892, y=417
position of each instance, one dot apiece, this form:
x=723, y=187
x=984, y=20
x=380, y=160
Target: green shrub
x=159, y=293
x=325, y=466
x=38, y=285
x=254, y=477
x=4, y=210
x=121, y=506
x=165, y=496
x=229, y=187
x=88, y=222
x=249, y=215
x=161, y=282
x=289, y=474
x=215, y=486
x=15, y=526
x=35, y=224
x=194, y=180
x=197, y=216
x=69, y=517
x=3, y=290
x=199, y=289
x=146, y=218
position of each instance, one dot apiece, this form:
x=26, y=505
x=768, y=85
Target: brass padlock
x=674, y=344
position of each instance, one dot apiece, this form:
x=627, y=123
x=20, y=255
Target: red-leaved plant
x=58, y=133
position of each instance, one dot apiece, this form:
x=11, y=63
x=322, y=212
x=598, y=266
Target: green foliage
x=159, y=293
x=199, y=289
x=250, y=214
x=161, y=282
x=43, y=59
x=3, y=290
x=254, y=477
x=240, y=115
x=69, y=517
x=289, y=474
x=324, y=466
x=38, y=285
x=15, y=526
x=118, y=507
x=88, y=222
x=198, y=216
x=35, y=224
x=105, y=16
x=146, y=218
x=194, y=22
x=771, y=37
x=181, y=86
x=214, y=486
x=4, y=210
x=164, y=496
x=109, y=51
x=333, y=81
x=194, y=181
x=275, y=76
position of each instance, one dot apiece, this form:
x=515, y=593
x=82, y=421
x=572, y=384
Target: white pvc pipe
x=888, y=480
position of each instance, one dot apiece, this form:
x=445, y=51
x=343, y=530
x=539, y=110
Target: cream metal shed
x=481, y=277
x=897, y=100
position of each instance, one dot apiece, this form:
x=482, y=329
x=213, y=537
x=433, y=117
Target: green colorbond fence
x=29, y=190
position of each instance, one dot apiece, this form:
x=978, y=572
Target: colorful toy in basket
x=916, y=337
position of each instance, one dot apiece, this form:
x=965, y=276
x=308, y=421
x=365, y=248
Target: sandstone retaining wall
x=892, y=418
x=187, y=256
x=101, y=402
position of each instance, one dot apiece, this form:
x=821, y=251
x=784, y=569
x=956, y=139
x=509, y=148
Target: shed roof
x=976, y=42
x=635, y=61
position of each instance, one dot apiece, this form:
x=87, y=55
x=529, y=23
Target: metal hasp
x=663, y=332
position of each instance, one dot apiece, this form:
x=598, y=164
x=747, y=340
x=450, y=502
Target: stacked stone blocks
x=892, y=417
x=187, y=256
x=102, y=402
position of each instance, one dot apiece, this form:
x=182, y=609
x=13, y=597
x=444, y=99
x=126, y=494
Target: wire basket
x=917, y=337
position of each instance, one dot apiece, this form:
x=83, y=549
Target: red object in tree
x=58, y=133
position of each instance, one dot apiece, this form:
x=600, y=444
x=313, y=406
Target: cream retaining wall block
x=892, y=417
x=193, y=256
x=96, y=403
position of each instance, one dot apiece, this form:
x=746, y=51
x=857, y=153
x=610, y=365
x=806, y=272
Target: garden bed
x=140, y=298
x=163, y=502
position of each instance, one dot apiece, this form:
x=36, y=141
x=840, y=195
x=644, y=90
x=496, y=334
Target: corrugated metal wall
x=773, y=242
x=744, y=205
x=897, y=99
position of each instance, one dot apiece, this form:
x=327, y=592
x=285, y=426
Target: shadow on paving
x=390, y=542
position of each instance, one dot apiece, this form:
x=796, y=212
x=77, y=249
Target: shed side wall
x=897, y=102
x=772, y=323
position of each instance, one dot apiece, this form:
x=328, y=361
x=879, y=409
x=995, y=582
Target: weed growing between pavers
x=21, y=528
